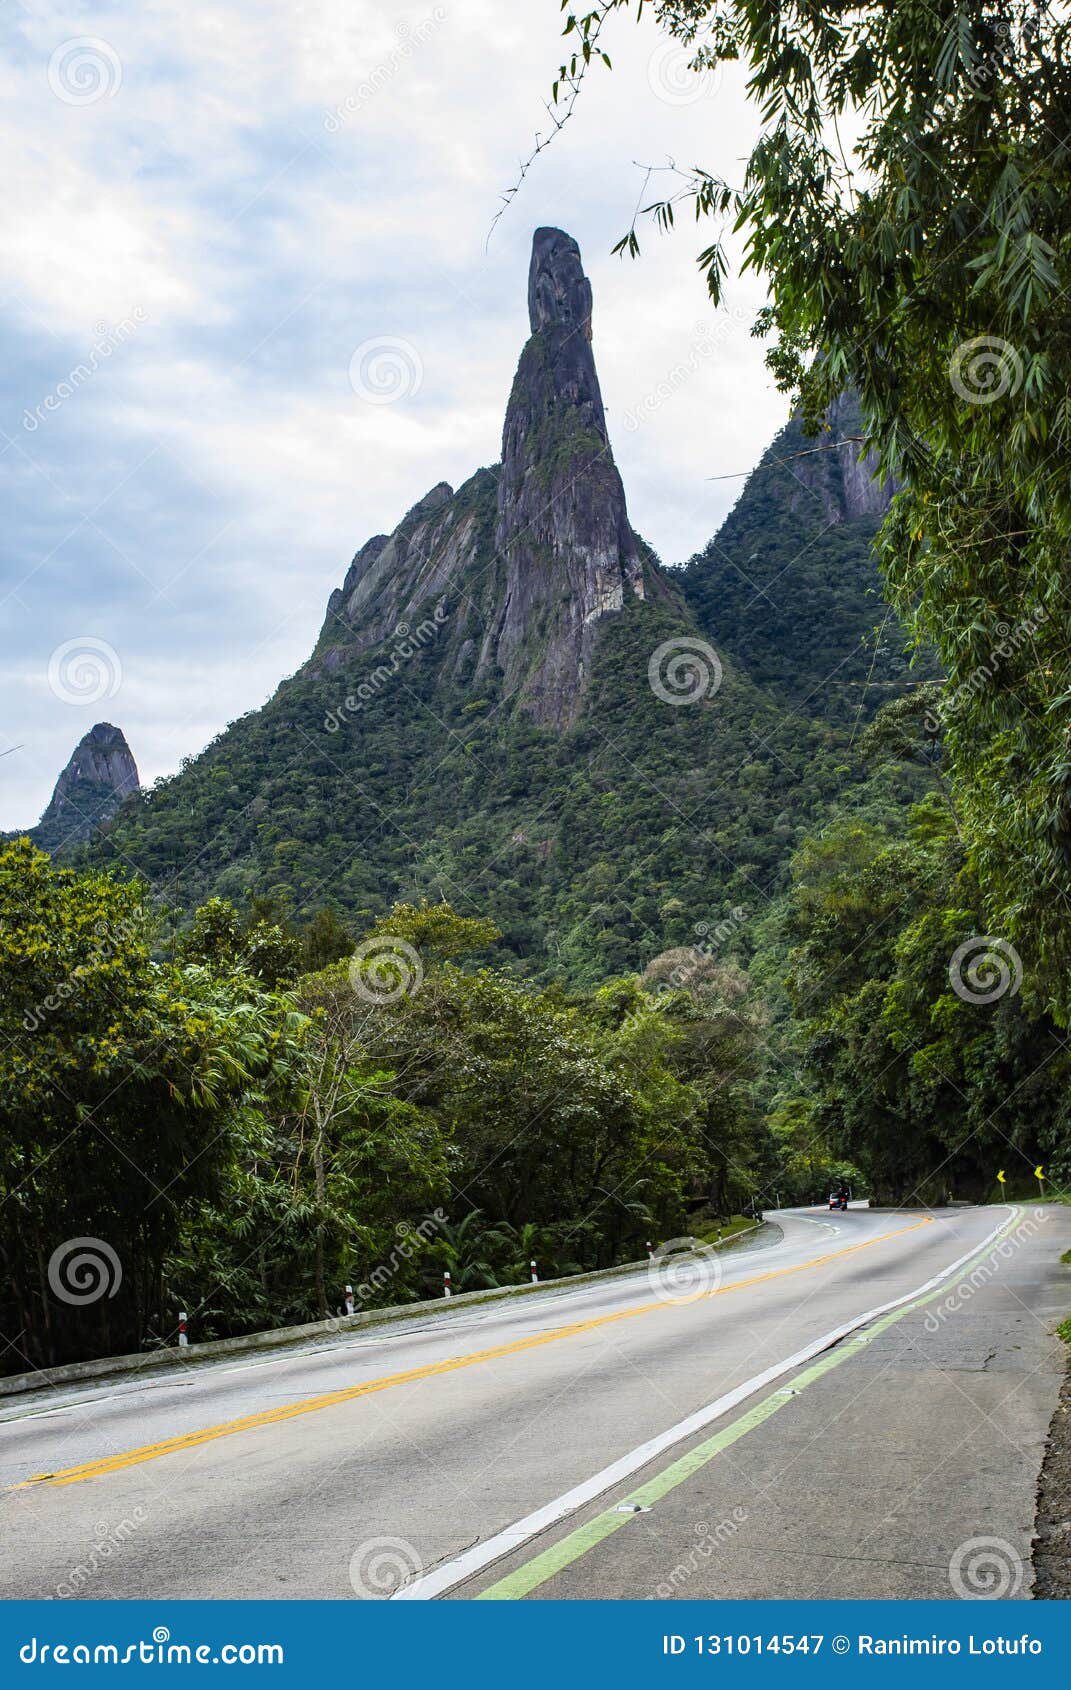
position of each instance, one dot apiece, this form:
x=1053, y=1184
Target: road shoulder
x=908, y=1471
x=1052, y=1536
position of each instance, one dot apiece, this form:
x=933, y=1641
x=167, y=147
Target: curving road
x=721, y=1428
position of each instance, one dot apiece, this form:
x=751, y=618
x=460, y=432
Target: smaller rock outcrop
x=100, y=774
x=831, y=470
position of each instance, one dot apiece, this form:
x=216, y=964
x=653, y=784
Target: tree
x=928, y=1058
x=436, y=931
x=460, y=1249
x=355, y=1134
x=334, y=1181
x=218, y=937
x=538, y=1121
x=560, y=1117
x=326, y=939
x=926, y=266
x=122, y=1081
x=807, y=1169
x=715, y=1028
x=519, y=1246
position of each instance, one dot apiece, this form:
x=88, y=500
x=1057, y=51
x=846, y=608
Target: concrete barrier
x=146, y=1361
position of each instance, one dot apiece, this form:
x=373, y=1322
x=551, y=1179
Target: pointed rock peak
x=103, y=757
x=557, y=386
x=100, y=774
x=531, y=558
x=562, y=529
x=558, y=290
x=105, y=733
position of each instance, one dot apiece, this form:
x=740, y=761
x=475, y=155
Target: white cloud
x=195, y=500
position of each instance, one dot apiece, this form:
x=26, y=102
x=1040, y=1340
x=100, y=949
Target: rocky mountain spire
x=399, y=758
x=100, y=774
x=562, y=525
x=559, y=309
x=508, y=578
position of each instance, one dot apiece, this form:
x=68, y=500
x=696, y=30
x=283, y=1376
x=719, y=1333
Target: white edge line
x=473, y=1560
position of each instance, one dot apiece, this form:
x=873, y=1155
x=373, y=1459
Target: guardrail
x=17, y=1384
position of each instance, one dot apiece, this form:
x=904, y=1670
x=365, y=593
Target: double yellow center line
x=452, y=1364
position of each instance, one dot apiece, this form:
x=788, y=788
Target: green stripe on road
x=585, y=1538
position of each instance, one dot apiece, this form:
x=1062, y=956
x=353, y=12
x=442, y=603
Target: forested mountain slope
x=790, y=585
x=512, y=705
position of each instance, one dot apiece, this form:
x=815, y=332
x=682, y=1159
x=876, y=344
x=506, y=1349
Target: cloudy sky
x=230, y=230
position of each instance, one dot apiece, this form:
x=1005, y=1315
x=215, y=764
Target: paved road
x=688, y=1432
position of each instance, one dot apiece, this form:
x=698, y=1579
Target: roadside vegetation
x=908, y=207
x=846, y=952
x=246, y=1136
x=245, y=1140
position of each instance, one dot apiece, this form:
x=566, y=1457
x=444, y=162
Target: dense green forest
x=396, y=979
x=435, y=989
x=237, y=1115
x=246, y=1139
x=594, y=848
x=790, y=588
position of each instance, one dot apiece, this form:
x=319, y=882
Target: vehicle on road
x=838, y=1200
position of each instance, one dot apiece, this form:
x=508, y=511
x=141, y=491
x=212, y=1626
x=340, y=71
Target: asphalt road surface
x=720, y=1427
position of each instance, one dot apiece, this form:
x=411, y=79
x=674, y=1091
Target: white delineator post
x=446, y=1285
x=348, y=1299
x=535, y=1275
x=650, y=1251
x=182, y=1338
